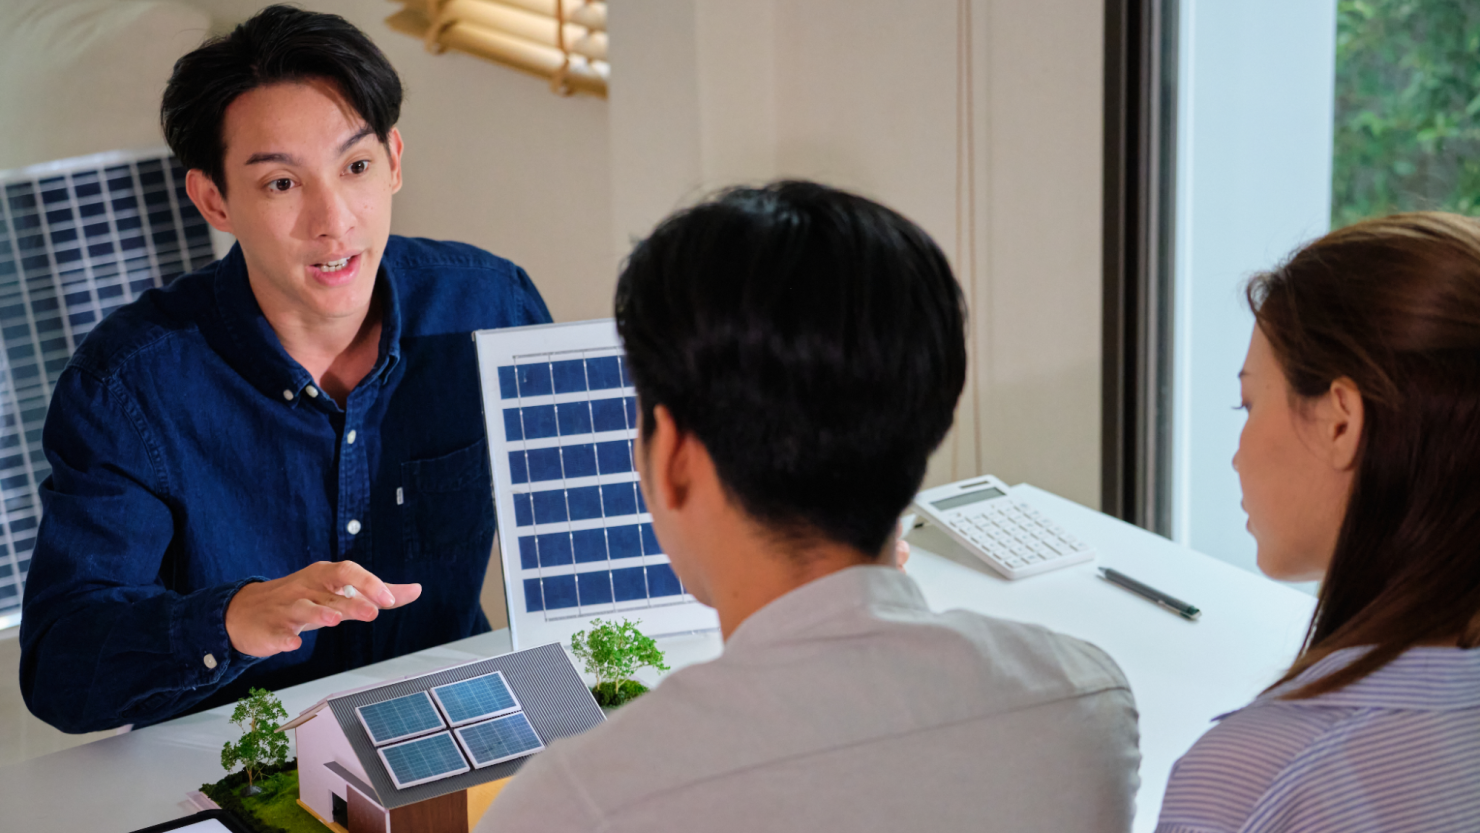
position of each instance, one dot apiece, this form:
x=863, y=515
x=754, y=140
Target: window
x=561, y=40
x=1236, y=132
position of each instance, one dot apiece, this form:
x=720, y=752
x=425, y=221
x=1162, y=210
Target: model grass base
x=611, y=695
x=275, y=810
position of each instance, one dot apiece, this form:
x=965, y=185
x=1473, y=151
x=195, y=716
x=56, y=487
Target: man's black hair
x=812, y=340
x=279, y=44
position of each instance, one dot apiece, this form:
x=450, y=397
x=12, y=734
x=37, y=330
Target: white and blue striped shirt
x=1398, y=750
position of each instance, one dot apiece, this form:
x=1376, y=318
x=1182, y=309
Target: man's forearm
x=117, y=656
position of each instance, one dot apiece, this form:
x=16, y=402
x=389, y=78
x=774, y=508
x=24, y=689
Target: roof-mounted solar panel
x=498, y=740
x=476, y=699
x=418, y=761
x=400, y=718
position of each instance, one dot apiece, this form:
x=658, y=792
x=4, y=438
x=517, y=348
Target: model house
x=430, y=753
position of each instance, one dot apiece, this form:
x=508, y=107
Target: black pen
x=1177, y=606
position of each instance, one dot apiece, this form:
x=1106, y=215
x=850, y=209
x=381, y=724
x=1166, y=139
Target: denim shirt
x=191, y=454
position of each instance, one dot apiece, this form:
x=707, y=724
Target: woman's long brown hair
x=1394, y=305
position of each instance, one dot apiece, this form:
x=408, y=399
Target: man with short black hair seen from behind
x=253, y=466
x=797, y=353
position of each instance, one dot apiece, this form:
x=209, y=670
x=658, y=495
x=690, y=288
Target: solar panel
x=500, y=739
x=402, y=717
x=78, y=239
x=431, y=758
x=578, y=541
x=475, y=699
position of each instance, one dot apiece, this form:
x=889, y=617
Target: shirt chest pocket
x=447, y=505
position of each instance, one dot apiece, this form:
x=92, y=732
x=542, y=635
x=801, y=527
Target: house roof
x=552, y=694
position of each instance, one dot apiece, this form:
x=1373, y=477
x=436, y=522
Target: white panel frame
x=507, y=346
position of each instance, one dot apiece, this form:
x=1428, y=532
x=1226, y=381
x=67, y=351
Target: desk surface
x=1182, y=673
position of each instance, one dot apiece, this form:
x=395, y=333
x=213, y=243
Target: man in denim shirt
x=252, y=467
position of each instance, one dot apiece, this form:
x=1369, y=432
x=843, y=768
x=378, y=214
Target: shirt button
x=312, y=392
x=353, y=527
x=210, y=661
x=351, y=438
x=288, y=395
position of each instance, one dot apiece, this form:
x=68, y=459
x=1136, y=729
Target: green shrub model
x=613, y=653
x=258, y=716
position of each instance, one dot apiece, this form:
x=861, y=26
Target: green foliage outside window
x=1407, y=108
x=613, y=653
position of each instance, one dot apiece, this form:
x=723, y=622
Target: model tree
x=613, y=653
x=258, y=715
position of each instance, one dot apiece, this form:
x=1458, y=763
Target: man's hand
x=265, y=618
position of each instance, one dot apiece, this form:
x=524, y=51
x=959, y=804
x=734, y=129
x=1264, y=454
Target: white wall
x=493, y=158
x=1255, y=116
x=991, y=142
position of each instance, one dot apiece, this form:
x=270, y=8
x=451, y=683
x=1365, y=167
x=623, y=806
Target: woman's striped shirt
x=1398, y=750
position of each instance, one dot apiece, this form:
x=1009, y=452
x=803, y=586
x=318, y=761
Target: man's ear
x=394, y=146
x=1339, y=415
x=667, y=460
x=208, y=200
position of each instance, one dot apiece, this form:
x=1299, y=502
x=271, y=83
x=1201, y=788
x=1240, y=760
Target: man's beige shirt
x=848, y=705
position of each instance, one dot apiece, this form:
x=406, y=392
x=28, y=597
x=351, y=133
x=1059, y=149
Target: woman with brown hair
x=1360, y=466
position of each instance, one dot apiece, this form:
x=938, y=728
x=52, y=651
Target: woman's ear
x=1339, y=416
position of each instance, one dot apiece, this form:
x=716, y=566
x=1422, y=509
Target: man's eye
x=359, y=167
x=280, y=185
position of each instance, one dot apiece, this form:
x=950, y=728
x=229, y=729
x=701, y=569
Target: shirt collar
x=1420, y=679
x=822, y=607
x=260, y=354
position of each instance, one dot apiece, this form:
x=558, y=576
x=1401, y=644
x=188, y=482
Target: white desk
x=1183, y=673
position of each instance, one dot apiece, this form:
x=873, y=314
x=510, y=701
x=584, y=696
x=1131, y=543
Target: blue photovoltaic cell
x=423, y=759
x=474, y=699
x=601, y=587
x=499, y=740
x=583, y=503
x=402, y=717
x=566, y=419
x=565, y=376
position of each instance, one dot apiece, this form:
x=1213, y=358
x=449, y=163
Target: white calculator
x=1013, y=538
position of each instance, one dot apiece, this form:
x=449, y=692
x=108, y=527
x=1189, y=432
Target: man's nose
x=328, y=213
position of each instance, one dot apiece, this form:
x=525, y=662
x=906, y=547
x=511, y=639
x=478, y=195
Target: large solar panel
x=500, y=739
x=402, y=717
x=424, y=759
x=576, y=537
x=78, y=239
x=475, y=699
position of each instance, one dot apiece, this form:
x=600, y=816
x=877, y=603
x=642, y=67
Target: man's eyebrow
x=284, y=158
x=364, y=131
x=1243, y=373
x=289, y=159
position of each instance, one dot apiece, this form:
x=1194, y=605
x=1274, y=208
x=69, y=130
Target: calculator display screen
x=969, y=497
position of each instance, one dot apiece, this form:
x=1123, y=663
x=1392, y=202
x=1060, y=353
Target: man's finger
x=348, y=573
x=306, y=615
x=349, y=607
x=403, y=594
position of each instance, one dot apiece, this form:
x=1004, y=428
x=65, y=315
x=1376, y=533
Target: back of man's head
x=278, y=45
x=812, y=340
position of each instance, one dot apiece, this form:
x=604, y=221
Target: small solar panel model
x=575, y=535
x=430, y=753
